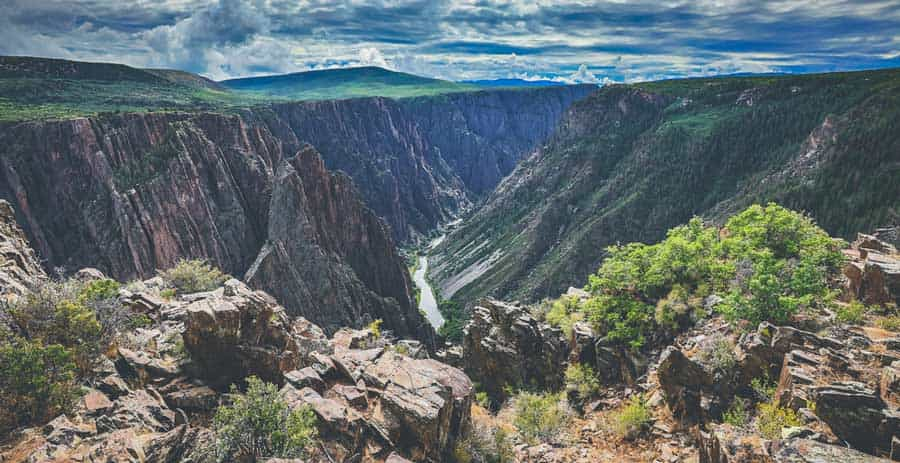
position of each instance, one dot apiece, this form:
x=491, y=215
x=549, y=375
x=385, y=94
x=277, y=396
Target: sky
x=568, y=41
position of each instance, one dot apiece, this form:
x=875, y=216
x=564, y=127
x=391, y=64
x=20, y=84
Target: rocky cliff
x=130, y=194
x=629, y=162
x=417, y=161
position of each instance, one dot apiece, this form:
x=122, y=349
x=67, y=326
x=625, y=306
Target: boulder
x=504, y=345
x=424, y=405
x=872, y=272
x=682, y=380
x=857, y=415
x=306, y=377
x=235, y=332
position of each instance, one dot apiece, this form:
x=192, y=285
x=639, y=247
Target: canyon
x=133, y=193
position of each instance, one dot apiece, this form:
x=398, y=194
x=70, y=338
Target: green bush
x=764, y=387
x=484, y=444
x=99, y=289
x=37, y=382
x=60, y=313
x=767, y=261
x=563, y=314
x=789, y=259
x=260, y=424
x=582, y=379
x=375, y=328
x=540, y=417
x=193, y=276
x=890, y=323
x=737, y=415
x=853, y=313
x=634, y=418
x=482, y=399
x=771, y=419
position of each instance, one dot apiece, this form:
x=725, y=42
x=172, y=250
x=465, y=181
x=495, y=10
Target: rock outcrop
x=840, y=385
x=19, y=266
x=872, y=271
x=130, y=194
x=505, y=346
x=155, y=401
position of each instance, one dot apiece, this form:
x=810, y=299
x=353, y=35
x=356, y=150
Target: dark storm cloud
x=464, y=39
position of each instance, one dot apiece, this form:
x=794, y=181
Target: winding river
x=427, y=301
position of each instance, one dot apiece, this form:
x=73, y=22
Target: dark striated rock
x=725, y=444
x=337, y=253
x=682, y=380
x=858, y=416
x=19, y=266
x=133, y=193
x=417, y=161
x=504, y=345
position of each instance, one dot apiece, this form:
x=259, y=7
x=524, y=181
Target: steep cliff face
x=483, y=135
x=417, y=161
x=335, y=252
x=629, y=162
x=131, y=194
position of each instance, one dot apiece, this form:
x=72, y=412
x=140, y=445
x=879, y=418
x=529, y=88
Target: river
x=427, y=301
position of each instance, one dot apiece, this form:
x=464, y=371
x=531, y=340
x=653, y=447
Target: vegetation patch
x=768, y=262
x=540, y=417
x=259, y=424
x=193, y=276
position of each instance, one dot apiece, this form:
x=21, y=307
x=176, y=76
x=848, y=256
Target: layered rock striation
x=130, y=194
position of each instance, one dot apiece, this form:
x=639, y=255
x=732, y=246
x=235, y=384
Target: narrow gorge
x=133, y=193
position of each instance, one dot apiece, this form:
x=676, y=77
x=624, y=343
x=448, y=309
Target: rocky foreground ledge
x=153, y=398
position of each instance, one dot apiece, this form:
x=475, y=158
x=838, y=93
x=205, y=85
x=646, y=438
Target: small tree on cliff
x=260, y=424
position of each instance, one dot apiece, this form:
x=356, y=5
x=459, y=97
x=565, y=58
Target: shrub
x=484, y=444
x=539, y=417
x=890, y=323
x=771, y=419
x=581, y=379
x=718, y=355
x=37, y=382
x=737, y=415
x=482, y=399
x=768, y=262
x=853, y=313
x=764, y=387
x=82, y=317
x=563, y=314
x=167, y=293
x=99, y=289
x=260, y=424
x=375, y=328
x=192, y=276
x=791, y=260
x=634, y=418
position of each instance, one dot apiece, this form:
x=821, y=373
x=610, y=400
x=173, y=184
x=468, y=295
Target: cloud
x=370, y=56
x=622, y=41
x=583, y=76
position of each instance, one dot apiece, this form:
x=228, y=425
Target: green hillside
x=631, y=161
x=344, y=83
x=41, y=88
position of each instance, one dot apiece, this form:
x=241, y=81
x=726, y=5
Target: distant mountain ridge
x=515, y=83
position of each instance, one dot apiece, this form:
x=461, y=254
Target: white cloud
x=583, y=76
x=371, y=56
